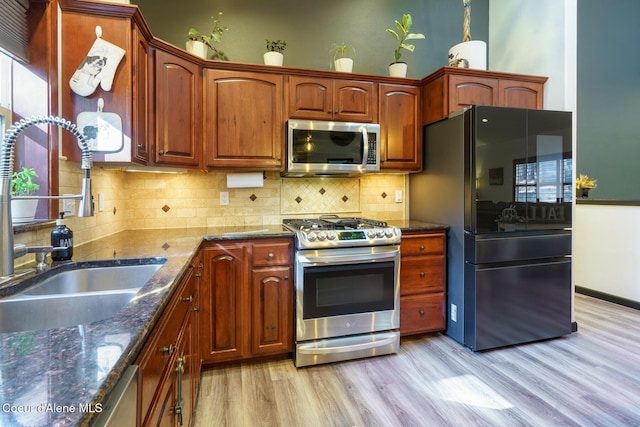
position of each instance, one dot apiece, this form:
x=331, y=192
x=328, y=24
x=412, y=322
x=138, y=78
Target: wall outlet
x=224, y=198
x=398, y=196
x=100, y=202
x=68, y=206
x=454, y=313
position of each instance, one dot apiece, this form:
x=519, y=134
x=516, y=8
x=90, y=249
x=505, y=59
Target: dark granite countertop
x=57, y=376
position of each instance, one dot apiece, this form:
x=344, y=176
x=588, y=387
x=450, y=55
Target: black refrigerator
x=501, y=178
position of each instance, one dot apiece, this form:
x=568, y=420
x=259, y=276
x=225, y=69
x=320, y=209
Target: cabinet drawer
x=422, y=274
x=272, y=253
x=422, y=313
x=424, y=244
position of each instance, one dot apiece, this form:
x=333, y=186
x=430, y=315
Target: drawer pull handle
x=422, y=247
x=286, y=277
x=196, y=309
x=167, y=350
x=197, y=275
x=188, y=299
x=421, y=312
x=422, y=274
x=270, y=257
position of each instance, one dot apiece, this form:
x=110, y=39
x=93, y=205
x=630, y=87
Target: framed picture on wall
x=496, y=176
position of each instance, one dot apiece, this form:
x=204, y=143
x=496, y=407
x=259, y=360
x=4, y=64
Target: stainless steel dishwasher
x=120, y=409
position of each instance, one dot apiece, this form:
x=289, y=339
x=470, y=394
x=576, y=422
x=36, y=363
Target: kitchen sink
x=27, y=313
x=95, y=279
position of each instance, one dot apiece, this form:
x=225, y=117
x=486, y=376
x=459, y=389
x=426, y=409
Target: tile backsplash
x=152, y=200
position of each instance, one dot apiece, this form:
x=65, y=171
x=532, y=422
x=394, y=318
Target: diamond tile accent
x=166, y=208
x=253, y=197
x=339, y=195
x=298, y=199
x=345, y=198
x=322, y=191
x=384, y=195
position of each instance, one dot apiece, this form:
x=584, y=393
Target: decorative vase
x=473, y=54
x=273, y=58
x=23, y=210
x=398, y=69
x=197, y=48
x=583, y=192
x=344, y=65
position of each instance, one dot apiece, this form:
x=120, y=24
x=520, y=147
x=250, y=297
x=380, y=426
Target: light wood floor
x=590, y=378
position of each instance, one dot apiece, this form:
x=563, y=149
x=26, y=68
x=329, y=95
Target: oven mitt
x=97, y=68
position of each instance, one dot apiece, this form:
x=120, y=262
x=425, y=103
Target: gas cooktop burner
x=330, y=231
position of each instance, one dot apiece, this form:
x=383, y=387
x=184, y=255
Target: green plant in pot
x=199, y=43
x=23, y=184
x=401, y=34
x=275, y=52
x=342, y=57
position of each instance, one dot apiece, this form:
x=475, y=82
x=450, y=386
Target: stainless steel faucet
x=8, y=251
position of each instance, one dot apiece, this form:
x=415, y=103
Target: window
x=5, y=92
x=544, y=180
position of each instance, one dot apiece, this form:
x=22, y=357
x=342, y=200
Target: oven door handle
x=344, y=347
x=350, y=258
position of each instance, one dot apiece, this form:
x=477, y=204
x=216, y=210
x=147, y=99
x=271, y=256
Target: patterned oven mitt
x=97, y=68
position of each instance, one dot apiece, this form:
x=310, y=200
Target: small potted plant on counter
x=342, y=57
x=275, y=52
x=199, y=44
x=23, y=184
x=399, y=68
x=584, y=184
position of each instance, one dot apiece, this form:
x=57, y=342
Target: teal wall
x=312, y=27
x=608, y=107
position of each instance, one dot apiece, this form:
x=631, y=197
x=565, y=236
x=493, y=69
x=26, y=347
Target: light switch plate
x=398, y=196
x=100, y=202
x=224, y=198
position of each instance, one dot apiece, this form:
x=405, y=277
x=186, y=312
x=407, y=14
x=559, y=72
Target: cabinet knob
x=167, y=350
x=161, y=152
x=197, y=275
x=196, y=309
x=140, y=146
x=330, y=111
x=271, y=256
x=286, y=277
x=422, y=274
x=422, y=247
x=189, y=299
x=421, y=312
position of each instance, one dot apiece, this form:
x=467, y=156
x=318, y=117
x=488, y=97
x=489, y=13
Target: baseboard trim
x=608, y=297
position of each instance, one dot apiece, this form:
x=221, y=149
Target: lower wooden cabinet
x=422, y=282
x=246, y=300
x=169, y=364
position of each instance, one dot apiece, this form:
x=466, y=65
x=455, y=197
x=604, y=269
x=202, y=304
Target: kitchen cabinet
x=451, y=89
x=422, y=282
x=400, y=128
x=168, y=364
x=318, y=98
x=244, y=122
x=140, y=96
x=247, y=300
x=177, y=111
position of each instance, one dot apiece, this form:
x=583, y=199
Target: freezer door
x=486, y=249
x=509, y=305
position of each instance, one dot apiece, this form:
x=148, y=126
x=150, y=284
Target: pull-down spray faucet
x=7, y=154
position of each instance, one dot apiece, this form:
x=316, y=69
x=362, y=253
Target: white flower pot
x=474, y=52
x=273, y=58
x=197, y=48
x=398, y=69
x=344, y=65
x=23, y=210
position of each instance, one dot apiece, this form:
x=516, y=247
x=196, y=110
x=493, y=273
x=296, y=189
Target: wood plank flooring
x=589, y=378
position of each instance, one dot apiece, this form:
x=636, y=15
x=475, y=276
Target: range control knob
x=371, y=234
x=331, y=235
x=380, y=232
x=388, y=233
x=311, y=236
x=322, y=235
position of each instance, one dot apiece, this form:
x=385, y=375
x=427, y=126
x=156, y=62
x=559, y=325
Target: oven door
x=349, y=291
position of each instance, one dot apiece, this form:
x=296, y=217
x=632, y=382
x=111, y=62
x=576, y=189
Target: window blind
x=13, y=27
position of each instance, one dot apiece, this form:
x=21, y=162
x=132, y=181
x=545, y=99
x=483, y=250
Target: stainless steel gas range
x=347, y=274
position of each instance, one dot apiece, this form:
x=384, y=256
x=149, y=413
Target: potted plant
x=199, y=44
x=584, y=184
x=23, y=184
x=275, y=52
x=342, y=57
x=399, y=68
x=469, y=53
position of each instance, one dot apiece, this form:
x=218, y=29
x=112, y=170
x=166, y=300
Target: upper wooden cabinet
x=318, y=98
x=243, y=120
x=177, y=108
x=400, y=128
x=451, y=89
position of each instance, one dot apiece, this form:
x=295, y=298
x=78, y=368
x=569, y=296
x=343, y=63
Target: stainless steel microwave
x=318, y=147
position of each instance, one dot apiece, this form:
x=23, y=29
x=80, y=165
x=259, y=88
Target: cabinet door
x=178, y=103
x=222, y=304
x=472, y=90
x=519, y=94
x=272, y=310
x=422, y=313
x=244, y=123
x=400, y=129
x=310, y=98
x=140, y=64
x=354, y=101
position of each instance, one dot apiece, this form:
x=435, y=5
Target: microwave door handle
x=365, y=153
